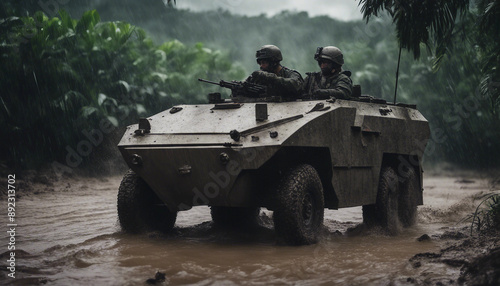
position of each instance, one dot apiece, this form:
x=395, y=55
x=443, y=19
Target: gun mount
x=241, y=88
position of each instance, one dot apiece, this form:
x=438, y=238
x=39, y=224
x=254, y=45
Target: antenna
x=397, y=75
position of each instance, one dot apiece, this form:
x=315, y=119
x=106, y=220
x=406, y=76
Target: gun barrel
x=238, y=87
x=208, y=81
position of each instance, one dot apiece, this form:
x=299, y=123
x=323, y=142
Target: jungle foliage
x=464, y=34
x=62, y=78
x=460, y=99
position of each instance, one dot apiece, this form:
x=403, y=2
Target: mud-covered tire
x=140, y=209
x=369, y=215
x=408, y=197
x=233, y=217
x=384, y=212
x=299, y=207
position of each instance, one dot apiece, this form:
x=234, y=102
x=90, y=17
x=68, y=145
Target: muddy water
x=68, y=235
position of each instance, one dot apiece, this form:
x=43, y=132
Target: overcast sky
x=339, y=9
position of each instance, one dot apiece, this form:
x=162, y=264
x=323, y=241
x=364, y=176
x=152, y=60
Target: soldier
x=279, y=80
x=331, y=81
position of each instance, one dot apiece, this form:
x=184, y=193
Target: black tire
x=140, y=209
x=233, y=217
x=409, y=191
x=370, y=215
x=385, y=212
x=299, y=210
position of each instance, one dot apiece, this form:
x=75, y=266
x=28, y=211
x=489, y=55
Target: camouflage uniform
x=287, y=83
x=338, y=84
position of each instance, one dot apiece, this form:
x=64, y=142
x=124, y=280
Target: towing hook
x=235, y=135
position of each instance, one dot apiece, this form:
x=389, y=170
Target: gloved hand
x=321, y=94
x=264, y=77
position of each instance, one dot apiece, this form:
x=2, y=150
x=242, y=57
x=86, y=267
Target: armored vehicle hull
x=295, y=158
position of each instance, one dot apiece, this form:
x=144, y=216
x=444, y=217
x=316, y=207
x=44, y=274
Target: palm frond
x=418, y=22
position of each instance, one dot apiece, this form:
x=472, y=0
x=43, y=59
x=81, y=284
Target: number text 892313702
x=11, y=224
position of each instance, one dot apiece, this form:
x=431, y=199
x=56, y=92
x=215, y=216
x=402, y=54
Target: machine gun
x=239, y=88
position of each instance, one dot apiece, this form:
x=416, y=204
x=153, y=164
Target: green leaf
x=113, y=120
x=88, y=21
x=40, y=18
x=140, y=34
x=101, y=98
x=161, y=55
x=9, y=23
x=124, y=85
x=86, y=111
x=140, y=108
x=163, y=77
x=67, y=21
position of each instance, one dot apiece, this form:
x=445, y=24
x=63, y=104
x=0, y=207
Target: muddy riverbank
x=67, y=234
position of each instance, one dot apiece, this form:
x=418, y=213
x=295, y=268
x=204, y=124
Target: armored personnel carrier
x=295, y=158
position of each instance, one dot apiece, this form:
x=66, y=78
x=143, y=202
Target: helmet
x=269, y=52
x=331, y=53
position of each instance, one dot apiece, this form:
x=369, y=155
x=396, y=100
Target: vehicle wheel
x=385, y=211
x=369, y=215
x=409, y=191
x=235, y=217
x=140, y=209
x=299, y=210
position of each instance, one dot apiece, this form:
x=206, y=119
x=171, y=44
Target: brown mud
x=68, y=234
x=471, y=257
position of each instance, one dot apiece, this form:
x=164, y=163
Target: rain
x=77, y=76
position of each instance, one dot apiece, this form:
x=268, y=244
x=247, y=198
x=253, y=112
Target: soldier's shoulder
x=290, y=71
x=345, y=76
x=346, y=73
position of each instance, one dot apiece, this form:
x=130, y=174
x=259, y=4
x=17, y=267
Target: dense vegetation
x=57, y=83
x=469, y=30
x=63, y=79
